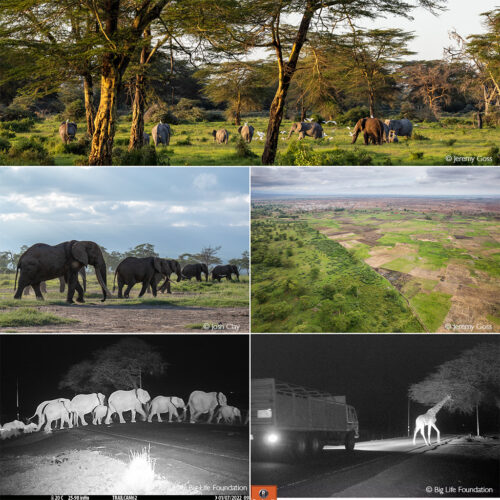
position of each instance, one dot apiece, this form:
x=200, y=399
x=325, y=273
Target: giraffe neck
x=433, y=411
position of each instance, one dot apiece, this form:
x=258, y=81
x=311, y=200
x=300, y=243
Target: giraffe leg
x=422, y=431
x=437, y=432
x=415, y=435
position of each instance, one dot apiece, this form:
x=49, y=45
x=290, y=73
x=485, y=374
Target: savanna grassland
x=436, y=262
x=222, y=306
x=447, y=142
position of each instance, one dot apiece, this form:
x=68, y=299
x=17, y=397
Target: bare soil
x=143, y=318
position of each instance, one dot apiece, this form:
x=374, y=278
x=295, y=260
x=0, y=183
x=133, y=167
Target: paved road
x=213, y=457
x=383, y=468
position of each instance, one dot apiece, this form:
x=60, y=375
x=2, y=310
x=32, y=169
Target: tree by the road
x=472, y=379
x=120, y=366
x=208, y=256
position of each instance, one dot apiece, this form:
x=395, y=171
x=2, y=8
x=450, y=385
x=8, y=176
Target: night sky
x=196, y=362
x=373, y=371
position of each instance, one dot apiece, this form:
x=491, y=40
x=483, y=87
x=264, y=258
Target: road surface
x=211, y=458
x=390, y=468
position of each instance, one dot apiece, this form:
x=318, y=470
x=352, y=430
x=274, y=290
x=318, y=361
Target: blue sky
x=177, y=209
x=340, y=181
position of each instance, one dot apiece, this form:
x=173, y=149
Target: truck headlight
x=272, y=438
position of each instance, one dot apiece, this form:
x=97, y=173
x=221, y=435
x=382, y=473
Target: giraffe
x=428, y=419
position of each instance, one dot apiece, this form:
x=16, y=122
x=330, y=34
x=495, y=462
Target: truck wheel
x=299, y=447
x=350, y=441
x=315, y=446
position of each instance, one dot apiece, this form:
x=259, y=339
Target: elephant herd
x=65, y=261
x=376, y=131
x=73, y=412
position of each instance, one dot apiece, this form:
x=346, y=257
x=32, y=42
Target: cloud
x=205, y=181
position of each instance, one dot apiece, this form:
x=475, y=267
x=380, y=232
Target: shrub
x=493, y=119
x=13, y=112
x=7, y=134
x=494, y=154
x=160, y=111
x=416, y=155
x=29, y=152
x=74, y=111
x=419, y=137
x=143, y=156
x=353, y=115
x=4, y=145
x=184, y=142
x=214, y=116
x=79, y=147
x=23, y=125
x=317, y=118
x=450, y=142
x=121, y=141
x=243, y=149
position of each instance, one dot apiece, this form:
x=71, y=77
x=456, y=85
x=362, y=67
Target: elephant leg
x=82, y=419
x=120, y=288
x=153, y=288
x=72, y=281
x=127, y=291
x=210, y=416
x=38, y=293
x=133, y=417
x=79, y=291
x=140, y=411
x=122, y=420
x=144, y=288
x=366, y=138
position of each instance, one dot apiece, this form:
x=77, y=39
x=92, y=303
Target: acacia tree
x=286, y=40
x=208, y=256
x=235, y=83
x=472, y=379
x=119, y=366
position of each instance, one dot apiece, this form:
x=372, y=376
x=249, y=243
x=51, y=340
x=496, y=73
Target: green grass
x=401, y=264
x=203, y=151
x=27, y=316
x=432, y=308
x=304, y=282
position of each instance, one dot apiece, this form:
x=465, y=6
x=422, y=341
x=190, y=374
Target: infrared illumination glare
x=272, y=438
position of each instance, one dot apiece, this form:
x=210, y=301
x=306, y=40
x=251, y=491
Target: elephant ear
x=157, y=264
x=79, y=252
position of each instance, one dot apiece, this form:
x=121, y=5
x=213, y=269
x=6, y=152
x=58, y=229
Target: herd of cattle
x=375, y=131
x=73, y=412
x=66, y=261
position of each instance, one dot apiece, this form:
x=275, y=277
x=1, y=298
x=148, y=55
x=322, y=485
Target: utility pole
x=17, y=397
x=477, y=419
x=408, y=416
x=140, y=378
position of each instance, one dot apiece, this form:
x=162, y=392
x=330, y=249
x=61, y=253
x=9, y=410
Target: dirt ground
x=143, y=318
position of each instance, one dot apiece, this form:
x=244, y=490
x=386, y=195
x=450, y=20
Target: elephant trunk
x=100, y=272
x=355, y=134
x=290, y=133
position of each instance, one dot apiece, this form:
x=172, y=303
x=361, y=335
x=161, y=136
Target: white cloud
x=205, y=181
x=177, y=209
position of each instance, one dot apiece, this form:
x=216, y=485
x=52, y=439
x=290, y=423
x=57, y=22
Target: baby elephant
x=67, y=131
x=221, y=136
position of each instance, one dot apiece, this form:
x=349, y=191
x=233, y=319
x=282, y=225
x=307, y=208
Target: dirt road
x=143, y=318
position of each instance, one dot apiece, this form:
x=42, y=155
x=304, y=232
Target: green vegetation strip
x=31, y=317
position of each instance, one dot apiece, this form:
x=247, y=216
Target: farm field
x=191, y=307
x=192, y=144
x=444, y=262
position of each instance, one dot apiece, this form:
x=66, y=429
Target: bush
x=13, y=112
x=29, y=152
x=184, y=142
x=74, y=111
x=353, y=115
x=316, y=117
x=494, y=154
x=419, y=137
x=23, y=125
x=450, y=142
x=416, y=155
x=4, y=145
x=214, y=116
x=143, y=156
x=160, y=112
x=493, y=119
x=7, y=134
x=121, y=141
x=243, y=149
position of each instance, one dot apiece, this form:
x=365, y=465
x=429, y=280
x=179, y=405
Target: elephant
x=132, y=400
x=98, y=413
x=226, y=271
x=43, y=262
x=201, y=402
x=191, y=270
x=246, y=131
x=62, y=284
x=132, y=270
x=221, y=136
x=372, y=128
x=53, y=411
x=145, y=139
x=402, y=127
x=313, y=129
x=12, y=429
x=174, y=267
x=82, y=404
x=228, y=414
x=30, y=428
x=161, y=134
x=43, y=404
x=67, y=131
x=165, y=404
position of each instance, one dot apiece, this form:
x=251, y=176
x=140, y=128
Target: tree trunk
x=88, y=92
x=237, y=114
x=303, y=110
x=371, y=97
x=137, y=128
x=286, y=72
x=104, y=123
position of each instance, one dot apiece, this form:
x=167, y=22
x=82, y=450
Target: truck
x=296, y=422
